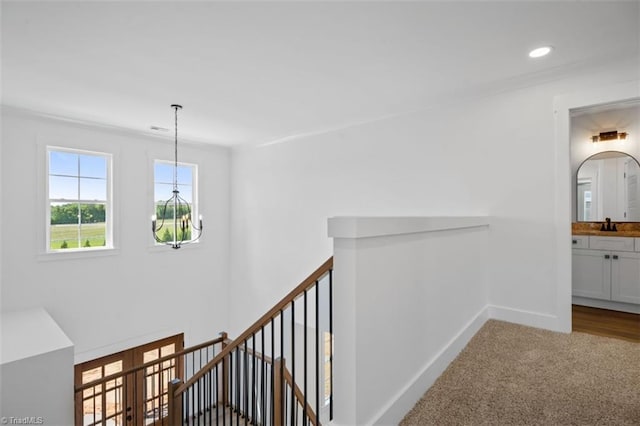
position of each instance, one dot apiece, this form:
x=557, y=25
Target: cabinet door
x=591, y=272
x=625, y=277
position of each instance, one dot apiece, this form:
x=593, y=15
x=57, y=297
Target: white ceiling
x=261, y=72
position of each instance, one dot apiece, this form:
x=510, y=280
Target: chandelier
x=178, y=210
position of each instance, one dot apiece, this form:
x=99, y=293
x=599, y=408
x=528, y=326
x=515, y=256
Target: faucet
x=608, y=227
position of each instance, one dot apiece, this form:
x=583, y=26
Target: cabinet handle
x=575, y=241
x=615, y=257
x=606, y=256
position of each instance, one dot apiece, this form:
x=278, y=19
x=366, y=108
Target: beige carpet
x=514, y=375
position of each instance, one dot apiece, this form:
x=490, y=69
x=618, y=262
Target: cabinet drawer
x=582, y=241
x=612, y=243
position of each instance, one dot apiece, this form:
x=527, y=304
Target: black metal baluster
x=238, y=385
x=194, y=396
x=193, y=364
x=202, y=396
x=193, y=392
x=219, y=397
x=304, y=412
x=318, y=387
x=231, y=388
x=212, y=392
x=293, y=358
x=208, y=408
x=189, y=418
x=254, y=403
x=273, y=359
x=212, y=382
x=263, y=377
x=185, y=404
x=202, y=400
x=246, y=382
x=201, y=404
x=283, y=403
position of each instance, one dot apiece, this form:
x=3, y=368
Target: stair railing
x=277, y=372
x=140, y=395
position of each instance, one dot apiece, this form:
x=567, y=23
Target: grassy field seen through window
x=74, y=236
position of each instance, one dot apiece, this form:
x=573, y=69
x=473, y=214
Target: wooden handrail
x=293, y=294
x=221, y=339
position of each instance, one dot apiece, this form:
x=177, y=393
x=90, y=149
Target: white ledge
x=364, y=227
x=30, y=333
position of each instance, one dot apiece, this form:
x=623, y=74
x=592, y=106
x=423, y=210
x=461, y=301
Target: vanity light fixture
x=540, y=52
x=613, y=135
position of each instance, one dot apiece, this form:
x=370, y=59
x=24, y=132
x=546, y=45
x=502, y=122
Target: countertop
x=629, y=229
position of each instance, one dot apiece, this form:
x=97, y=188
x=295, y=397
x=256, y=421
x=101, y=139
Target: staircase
x=277, y=372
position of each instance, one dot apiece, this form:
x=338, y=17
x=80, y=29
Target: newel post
x=224, y=392
x=174, y=413
x=278, y=391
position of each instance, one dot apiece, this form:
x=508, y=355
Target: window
x=163, y=190
x=328, y=359
x=79, y=200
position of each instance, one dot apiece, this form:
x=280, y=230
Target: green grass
x=166, y=233
x=95, y=233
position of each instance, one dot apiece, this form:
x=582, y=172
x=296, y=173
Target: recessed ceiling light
x=540, y=52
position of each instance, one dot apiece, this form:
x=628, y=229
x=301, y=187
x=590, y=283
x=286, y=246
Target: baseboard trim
x=528, y=318
x=393, y=412
x=606, y=304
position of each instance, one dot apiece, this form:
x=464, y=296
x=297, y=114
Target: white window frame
x=195, y=204
x=109, y=216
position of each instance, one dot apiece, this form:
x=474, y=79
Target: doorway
x=599, y=192
x=115, y=401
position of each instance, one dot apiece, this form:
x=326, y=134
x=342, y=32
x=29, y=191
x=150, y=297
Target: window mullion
x=79, y=208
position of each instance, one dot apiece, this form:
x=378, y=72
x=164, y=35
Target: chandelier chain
x=175, y=166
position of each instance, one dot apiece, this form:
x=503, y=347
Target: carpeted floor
x=515, y=375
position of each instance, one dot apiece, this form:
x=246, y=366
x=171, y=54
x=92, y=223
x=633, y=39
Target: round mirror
x=608, y=187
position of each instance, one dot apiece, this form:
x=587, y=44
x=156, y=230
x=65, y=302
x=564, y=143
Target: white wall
x=137, y=293
x=283, y=194
x=36, y=369
x=492, y=156
x=409, y=294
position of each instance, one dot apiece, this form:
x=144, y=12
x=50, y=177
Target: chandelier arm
x=192, y=240
x=164, y=212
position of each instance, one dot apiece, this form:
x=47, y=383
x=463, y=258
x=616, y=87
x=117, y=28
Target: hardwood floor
x=621, y=325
